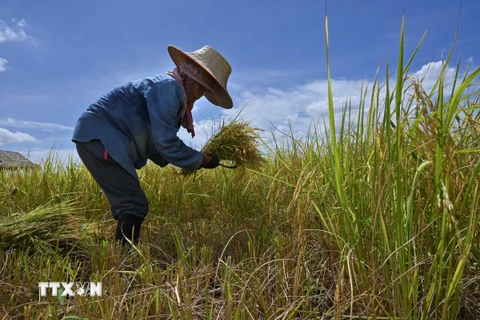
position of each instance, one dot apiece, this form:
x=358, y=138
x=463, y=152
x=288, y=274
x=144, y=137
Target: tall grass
x=408, y=176
x=376, y=219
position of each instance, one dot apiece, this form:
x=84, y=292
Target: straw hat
x=209, y=68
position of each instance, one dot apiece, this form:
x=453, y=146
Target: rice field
x=372, y=215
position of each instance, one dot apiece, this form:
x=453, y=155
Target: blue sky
x=57, y=57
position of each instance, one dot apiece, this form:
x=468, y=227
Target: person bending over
x=140, y=120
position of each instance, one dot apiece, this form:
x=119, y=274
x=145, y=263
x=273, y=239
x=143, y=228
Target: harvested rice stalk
x=59, y=224
x=235, y=143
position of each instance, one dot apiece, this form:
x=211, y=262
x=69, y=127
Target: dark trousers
x=127, y=200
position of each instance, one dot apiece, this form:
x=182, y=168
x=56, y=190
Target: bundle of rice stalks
x=60, y=224
x=236, y=145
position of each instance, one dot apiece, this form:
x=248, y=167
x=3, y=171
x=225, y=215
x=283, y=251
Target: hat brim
x=218, y=94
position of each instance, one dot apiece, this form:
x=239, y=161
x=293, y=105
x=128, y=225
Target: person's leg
x=126, y=198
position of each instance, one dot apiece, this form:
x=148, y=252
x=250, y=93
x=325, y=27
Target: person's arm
x=164, y=104
x=158, y=160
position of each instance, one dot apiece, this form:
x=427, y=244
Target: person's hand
x=210, y=161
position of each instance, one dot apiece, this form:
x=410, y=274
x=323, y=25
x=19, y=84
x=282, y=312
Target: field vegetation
x=373, y=215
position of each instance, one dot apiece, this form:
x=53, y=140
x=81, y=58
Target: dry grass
x=54, y=224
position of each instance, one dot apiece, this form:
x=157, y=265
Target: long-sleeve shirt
x=137, y=121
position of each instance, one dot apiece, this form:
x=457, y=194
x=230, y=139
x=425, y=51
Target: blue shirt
x=137, y=121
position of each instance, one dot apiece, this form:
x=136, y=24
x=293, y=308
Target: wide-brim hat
x=211, y=71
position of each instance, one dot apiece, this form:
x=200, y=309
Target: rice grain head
x=236, y=142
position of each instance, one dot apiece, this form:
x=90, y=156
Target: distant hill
x=13, y=160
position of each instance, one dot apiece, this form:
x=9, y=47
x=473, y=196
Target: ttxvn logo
x=71, y=289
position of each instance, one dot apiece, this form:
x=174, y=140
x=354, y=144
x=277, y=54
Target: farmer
x=139, y=120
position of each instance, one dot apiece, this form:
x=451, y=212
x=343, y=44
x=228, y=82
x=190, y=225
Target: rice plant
x=236, y=144
x=373, y=216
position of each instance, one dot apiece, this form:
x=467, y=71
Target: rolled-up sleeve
x=164, y=104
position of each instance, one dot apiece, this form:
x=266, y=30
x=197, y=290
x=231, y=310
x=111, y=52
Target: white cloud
x=296, y=109
x=3, y=64
x=203, y=131
x=14, y=137
x=293, y=110
x=26, y=124
x=22, y=23
x=430, y=73
x=15, y=33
